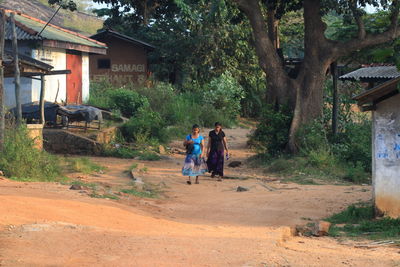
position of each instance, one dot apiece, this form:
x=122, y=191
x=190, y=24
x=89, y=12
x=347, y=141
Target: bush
x=271, y=135
x=20, y=160
x=123, y=100
x=225, y=93
x=144, y=125
x=127, y=101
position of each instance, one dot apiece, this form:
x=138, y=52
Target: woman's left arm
x=202, y=148
x=225, y=142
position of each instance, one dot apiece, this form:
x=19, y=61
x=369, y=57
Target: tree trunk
x=2, y=111
x=16, y=72
x=309, y=103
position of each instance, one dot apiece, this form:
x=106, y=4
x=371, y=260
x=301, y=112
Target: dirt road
x=210, y=224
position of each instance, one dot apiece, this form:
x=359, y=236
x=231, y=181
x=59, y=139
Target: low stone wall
x=65, y=142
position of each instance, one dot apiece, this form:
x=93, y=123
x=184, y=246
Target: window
x=104, y=63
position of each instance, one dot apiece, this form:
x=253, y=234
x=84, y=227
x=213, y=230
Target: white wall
x=386, y=156
x=85, y=77
x=57, y=58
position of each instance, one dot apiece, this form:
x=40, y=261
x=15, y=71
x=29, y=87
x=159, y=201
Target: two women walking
x=195, y=163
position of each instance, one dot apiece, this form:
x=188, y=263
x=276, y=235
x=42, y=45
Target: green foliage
x=144, y=125
x=84, y=165
x=127, y=101
x=121, y=152
x=360, y=221
x=135, y=192
x=353, y=214
x=271, y=135
x=225, y=94
x=21, y=161
x=123, y=100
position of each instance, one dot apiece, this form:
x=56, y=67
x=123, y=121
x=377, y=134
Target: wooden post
x=41, y=103
x=335, y=98
x=17, y=75
x=2, y=37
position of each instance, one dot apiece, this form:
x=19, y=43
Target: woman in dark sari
x=216, y=148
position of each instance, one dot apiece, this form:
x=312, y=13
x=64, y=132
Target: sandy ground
x=210, y=224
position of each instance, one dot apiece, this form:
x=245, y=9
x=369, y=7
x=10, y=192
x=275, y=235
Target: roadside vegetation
x=20, y=160
x=162, y=112
x=323, y=156
x=359, y=222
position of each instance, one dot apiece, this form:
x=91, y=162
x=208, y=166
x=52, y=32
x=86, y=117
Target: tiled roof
x=378, y=72
x=28, y=28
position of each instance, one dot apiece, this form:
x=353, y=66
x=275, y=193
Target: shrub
x=20, y=160
x=225, y=94
x=126, y=101
x=271, y=135
x=145, y=124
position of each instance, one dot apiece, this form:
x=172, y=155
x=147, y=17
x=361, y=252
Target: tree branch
x=268, y=57
x=342, y=49
x=358, y=18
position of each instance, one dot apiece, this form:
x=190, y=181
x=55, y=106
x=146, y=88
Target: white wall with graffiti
x=386, y=156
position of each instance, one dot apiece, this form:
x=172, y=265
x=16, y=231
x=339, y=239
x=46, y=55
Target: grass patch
x=235, y=178
x=130, y=153
x=92, y=186
x=358, y=221
x=21, y=161
x=83, y=165
x=313, y=169
x=145, y=194
x=133, y=166
x=110, y=196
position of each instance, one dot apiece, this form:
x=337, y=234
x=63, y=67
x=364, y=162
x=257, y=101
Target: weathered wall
x=57, y=58
x=65, y=142
x=85, y=77
x=386, y=156
x=128, y=63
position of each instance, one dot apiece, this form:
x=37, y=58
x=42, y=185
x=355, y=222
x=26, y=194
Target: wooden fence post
x=41, y=102
x=2, y=37
x=17, y=75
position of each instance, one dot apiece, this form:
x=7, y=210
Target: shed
x=61, y=48
x=126, y=60
x=383, y=100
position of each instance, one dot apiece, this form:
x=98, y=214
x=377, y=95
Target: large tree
x=305, y=90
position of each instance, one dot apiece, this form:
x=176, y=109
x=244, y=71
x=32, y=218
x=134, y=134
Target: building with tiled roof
x=62, y=49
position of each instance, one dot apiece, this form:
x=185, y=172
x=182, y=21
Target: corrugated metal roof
x=28, y=27
x=379, y=72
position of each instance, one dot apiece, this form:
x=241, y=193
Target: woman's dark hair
x=195, y=126
x=218, y=124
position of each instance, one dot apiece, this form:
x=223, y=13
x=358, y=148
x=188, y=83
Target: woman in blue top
x=194, y=163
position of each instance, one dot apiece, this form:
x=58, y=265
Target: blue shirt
x=196, y=145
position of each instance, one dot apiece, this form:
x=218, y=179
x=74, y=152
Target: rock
x=234, y=164
x=241, y=189
x=321, y=228
x=76, y=187
x=161, y=150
